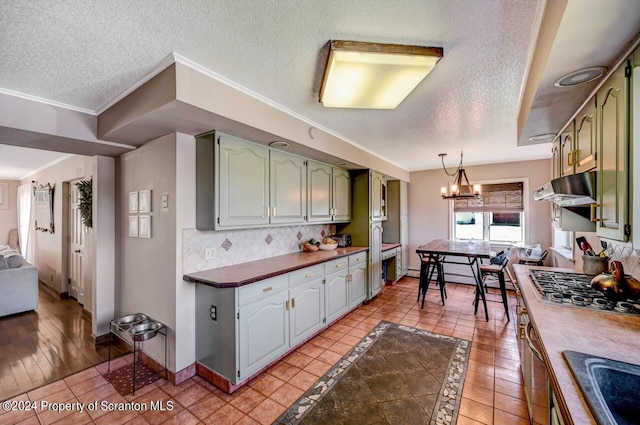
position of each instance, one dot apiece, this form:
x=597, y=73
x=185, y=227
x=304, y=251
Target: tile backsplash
x=240, y=246
x=629, y=257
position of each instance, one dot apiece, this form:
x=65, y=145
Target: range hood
x=576, y=190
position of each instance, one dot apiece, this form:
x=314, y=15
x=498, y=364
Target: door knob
x=77, y=251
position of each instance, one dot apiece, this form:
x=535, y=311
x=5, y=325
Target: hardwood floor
x=45, y=345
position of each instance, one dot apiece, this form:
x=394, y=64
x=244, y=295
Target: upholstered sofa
x=18, y=289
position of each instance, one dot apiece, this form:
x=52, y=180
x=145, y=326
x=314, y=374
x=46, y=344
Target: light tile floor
x=492, y=393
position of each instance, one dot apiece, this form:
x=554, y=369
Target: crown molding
x=46, y=101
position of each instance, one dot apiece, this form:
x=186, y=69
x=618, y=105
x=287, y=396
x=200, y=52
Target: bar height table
x=470, y=250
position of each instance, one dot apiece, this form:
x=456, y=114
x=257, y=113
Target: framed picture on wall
x=4, y=196
x=133, y=226
x=133, y=202
x=144, y=226
x=144, y=201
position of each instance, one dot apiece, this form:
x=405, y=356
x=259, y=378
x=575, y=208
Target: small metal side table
x=134, y=329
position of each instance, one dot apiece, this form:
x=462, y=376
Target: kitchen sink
x=610, y=387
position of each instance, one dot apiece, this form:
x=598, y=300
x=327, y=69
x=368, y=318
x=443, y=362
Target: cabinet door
x=612, y=184
x=555, y=159
x=337, y=295
x=566, y=151
x=404, y=227
x=306, y=310
x=341, y=195
x=243, y=181
x=357, y=285
x=586, y=139
x=375, y=259
x=288, y=188
x=263, y=333
x=319, y=195
x=376, y=195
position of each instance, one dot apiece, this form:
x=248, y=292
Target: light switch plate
x=209, y=254
x=165, y=200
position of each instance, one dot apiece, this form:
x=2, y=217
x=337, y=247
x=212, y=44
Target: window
x=497, y=216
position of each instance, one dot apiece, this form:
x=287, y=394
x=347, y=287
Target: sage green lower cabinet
x=240, y=331
x=306, y=309
x=336, y=288
x=357, y=279
x=263, y=330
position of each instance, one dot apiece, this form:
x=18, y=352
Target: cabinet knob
x=338, y=265
x=293, y=303
x=308, y=275
x=267, y=289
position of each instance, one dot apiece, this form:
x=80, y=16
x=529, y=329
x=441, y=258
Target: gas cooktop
x=574, y=289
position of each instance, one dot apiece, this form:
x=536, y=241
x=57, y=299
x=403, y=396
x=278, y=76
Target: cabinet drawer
x=261, y=289
x=336, y=265
x=388, y=254
x=307, y=274
x=358, y=258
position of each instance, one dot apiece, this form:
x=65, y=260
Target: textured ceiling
x=85, y=53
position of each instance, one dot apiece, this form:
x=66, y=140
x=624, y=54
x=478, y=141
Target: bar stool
x=496, y=269
x=430, y=264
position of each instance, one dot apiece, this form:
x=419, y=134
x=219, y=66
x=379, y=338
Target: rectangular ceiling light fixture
x=374, y=76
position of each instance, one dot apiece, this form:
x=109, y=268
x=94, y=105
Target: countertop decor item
x=328, y=247
x=594, y=265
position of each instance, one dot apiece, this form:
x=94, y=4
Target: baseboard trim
x=105, y=339
x=86, y=314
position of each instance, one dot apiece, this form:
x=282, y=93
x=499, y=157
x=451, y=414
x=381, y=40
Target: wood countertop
x=599, y=333
x=388, y=246
x=253, y=271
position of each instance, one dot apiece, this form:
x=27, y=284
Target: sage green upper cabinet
x=378, y=197
x=329, y=193
x=567, y=151
x=585, y=156
x=319, y=184
x=242, y=182
x=555, y=159
x=612, y=186
x=288, y=188
x=341, y=195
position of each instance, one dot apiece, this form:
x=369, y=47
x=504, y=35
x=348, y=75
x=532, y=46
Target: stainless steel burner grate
x=574, y=289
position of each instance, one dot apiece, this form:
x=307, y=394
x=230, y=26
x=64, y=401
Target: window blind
x=499, y=197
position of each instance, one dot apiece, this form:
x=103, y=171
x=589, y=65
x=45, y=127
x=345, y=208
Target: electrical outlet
x=209, y=254
x=214, y=313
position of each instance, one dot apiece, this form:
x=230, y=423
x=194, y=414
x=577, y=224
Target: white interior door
x=76, y=245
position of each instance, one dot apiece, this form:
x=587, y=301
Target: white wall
x=9, y=215
x=146, y=268
x=50, y=249
x=429, y=216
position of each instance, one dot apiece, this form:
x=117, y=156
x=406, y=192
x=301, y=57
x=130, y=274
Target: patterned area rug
x=121, y=378
x=394, y=375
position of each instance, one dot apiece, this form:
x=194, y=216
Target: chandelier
x=460, y=188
